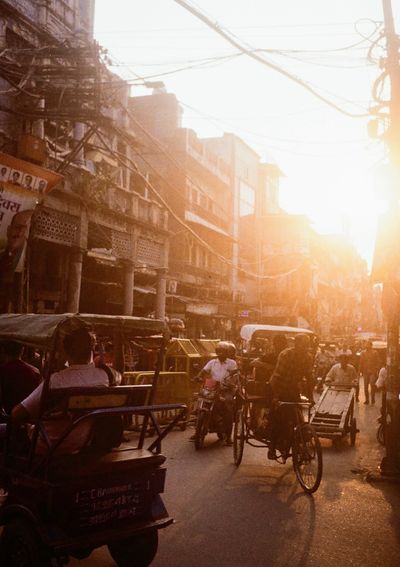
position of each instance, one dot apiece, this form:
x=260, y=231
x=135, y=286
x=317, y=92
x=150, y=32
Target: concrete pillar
x=3, y=30
x=74, y=280
x=38, y=125
x=42, y=13
x=129, y=280
x=79, y=132
x=161, y=293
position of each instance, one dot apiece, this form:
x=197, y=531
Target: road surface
x=257, y=515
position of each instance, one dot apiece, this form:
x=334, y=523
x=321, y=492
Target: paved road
x=258, y=516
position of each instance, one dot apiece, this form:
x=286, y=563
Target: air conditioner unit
x=172, y=286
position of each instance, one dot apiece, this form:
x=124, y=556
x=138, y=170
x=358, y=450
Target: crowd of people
x=281, y=369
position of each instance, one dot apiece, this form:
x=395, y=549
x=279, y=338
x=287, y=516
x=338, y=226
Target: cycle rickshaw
x=61, y=505
x=296, y=438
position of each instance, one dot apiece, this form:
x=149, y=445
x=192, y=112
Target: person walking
x=369, y=367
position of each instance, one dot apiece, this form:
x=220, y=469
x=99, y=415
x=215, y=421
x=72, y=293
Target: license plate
x=205, y=404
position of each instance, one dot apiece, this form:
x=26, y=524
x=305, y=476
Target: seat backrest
x=84, y=400
x=106, y=429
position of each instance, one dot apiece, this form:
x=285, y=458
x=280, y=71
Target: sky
x=332, y=168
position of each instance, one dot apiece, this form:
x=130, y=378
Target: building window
x=247, y=199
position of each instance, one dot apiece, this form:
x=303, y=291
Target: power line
x=132, y=166
x=228, y=37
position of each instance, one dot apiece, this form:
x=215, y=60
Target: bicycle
x=297, y=439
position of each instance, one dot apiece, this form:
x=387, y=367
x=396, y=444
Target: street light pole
x=390, y=465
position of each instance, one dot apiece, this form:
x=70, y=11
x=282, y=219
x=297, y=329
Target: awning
x=192, y=217
x=145, y=290
x=202, y=308
x=102, y=256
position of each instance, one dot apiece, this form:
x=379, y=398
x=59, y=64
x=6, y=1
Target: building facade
x=91, y=232
x=195, y=182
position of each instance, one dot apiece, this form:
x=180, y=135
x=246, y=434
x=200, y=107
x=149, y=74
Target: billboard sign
x=22, y=186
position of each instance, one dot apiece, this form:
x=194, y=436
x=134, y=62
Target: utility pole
x=390, y=465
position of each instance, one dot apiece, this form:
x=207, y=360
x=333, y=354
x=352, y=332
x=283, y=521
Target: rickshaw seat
x=106, y=428
x=89, y=464
x=86, y=399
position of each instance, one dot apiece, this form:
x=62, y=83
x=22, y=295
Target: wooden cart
x=333, y=416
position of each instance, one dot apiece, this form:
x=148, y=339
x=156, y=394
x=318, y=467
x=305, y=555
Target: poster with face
x=26, y=174
x=29, y=181
x=15, y=177
x=4, y=173
x=40, y=185
x=16, y=207
x=22, y=185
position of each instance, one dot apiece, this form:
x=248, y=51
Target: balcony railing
x=208, y=160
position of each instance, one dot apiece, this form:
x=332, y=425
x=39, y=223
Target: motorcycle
x=211, y=398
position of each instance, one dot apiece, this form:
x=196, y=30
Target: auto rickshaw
x=256, y=340
x=55, y=506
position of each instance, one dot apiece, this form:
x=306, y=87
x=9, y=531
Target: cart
x=66, y=505
x=333, y=416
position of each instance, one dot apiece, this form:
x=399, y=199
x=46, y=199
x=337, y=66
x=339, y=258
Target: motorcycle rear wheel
x=201, y=430
x=238, y=436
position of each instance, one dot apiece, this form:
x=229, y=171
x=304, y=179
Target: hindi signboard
x=22, y=186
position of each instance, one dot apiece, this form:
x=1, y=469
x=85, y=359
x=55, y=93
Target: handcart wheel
x=238, y=436
x=380, y=434
x=307, y=458
x=353, y=431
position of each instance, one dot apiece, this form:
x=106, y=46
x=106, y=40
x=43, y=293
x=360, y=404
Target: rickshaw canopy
x=248, y=332
x=42, y=331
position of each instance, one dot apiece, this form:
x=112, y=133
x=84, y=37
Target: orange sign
x=27, y=175
x=22, y=185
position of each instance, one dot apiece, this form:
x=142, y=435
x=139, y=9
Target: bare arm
x=19, y=415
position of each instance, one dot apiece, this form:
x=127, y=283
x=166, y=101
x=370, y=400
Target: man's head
x=42, y=185
x=302, y=342
x=16, y=177
x=3, y=171
x=222, y=351
x=78, y=346
x=343, y=358
x=17, y=230
x=280, y=343
x=28, y=180
x=11, y=350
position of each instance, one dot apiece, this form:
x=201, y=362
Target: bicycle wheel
x=238, y=436
x=307, y=458
x=201, y=430
x=380, y=434
x=353, y=431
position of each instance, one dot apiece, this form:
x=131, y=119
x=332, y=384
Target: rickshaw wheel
x=21, y=546
x=353, y=431
x=238, y=437
x=307, y=458
x=137, y=551
x=201, y=430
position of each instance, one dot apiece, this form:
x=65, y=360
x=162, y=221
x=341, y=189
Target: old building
x=91, y=232
x=195, y=182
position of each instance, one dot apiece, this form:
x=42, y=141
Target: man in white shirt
x=342, y=373
x=80, y=372
x=221, y=369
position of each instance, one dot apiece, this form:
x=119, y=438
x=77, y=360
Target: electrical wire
x=132, y=166
x=170, y=157
x=228, y=37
